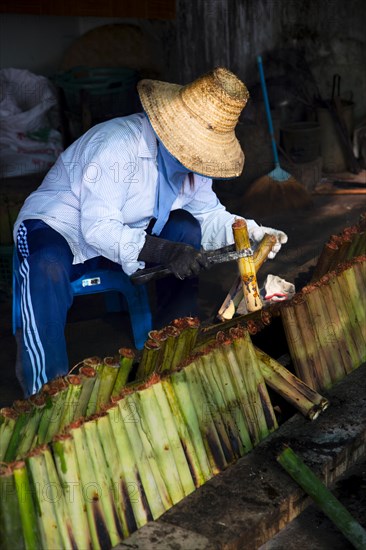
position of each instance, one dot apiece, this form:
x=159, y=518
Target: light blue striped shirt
x=100, y=195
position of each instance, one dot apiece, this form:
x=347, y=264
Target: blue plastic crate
x=107, y=90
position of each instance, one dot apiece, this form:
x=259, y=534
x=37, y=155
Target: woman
x=131, y=190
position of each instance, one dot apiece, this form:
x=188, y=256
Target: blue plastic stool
x=94, y=282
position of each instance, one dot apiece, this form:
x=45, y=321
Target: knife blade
x=219, y=256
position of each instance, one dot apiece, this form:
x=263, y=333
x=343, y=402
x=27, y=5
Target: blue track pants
x=45, y=274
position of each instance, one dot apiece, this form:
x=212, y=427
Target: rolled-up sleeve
x=103, y=194
x=216, y=222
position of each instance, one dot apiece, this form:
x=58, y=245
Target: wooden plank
x=145, y=9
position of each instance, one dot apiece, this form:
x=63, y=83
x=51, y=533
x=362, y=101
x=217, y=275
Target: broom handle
x=268, y=110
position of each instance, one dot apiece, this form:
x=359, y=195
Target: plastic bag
x=29, y=140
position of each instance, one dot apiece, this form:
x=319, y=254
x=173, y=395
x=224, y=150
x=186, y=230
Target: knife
x=219, y=256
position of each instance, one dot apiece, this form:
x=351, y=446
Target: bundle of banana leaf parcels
x=100, y=452
x=325, y=323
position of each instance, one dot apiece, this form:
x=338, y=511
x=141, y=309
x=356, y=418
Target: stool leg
x=113, y=302
x=140, y=314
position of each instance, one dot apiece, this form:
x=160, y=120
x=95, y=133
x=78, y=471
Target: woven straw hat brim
x=188, y=138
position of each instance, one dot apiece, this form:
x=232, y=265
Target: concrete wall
x=39, y=43
x=35, y=42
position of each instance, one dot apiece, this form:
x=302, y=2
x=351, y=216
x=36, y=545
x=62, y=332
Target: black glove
x=182, y=259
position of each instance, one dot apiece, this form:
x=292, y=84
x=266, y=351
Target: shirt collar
x=148, y=145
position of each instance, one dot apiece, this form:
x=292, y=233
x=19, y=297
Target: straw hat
x=196, y=122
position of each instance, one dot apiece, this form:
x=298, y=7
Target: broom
x=277, y=190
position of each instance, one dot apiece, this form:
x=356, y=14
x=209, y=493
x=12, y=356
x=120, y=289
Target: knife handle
x=225, y=254
x=148, y=274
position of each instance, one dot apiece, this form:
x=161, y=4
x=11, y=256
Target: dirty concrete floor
x=312, y=530
x=91, y=331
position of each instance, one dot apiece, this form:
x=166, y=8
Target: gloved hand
x=182, y=259
x=256, y=234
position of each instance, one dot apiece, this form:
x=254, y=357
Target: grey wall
x=331, y=33
x=233, y=32
x=39, y=43
x=208, y=33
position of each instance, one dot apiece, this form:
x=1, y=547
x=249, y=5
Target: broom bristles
x=266, y=195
